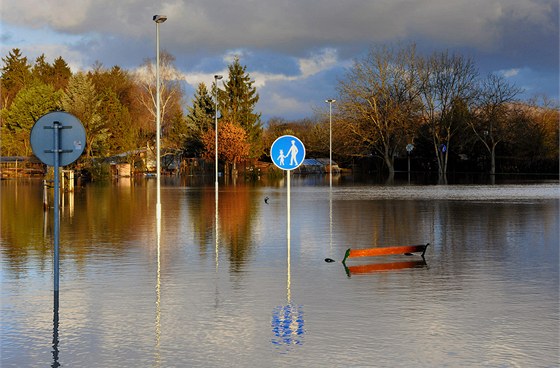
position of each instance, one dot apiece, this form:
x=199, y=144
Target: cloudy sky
x=295, y=50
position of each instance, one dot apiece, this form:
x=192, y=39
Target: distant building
x=21, y=166
x=316, y=166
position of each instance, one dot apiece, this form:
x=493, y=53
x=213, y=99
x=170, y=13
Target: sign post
x=57, y=139
x=287, y=153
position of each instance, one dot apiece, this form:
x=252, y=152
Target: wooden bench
x=385, y=251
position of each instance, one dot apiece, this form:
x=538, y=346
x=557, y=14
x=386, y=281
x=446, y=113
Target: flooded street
x=241, y=294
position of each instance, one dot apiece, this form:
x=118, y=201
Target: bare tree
x=492, y=115
x=170, y=88
x=447, y=88
x=379, y=100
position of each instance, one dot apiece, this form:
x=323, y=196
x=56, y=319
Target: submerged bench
x=374, y=252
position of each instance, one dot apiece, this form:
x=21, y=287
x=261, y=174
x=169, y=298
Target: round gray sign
x=58, y=133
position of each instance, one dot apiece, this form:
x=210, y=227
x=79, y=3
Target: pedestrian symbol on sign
x=287, y=152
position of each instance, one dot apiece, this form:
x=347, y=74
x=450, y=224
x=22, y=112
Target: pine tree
x=16, y=74
x=200, y=119
x=61, y=73
x=237, y=103
x=82, y=101
x=42, y=70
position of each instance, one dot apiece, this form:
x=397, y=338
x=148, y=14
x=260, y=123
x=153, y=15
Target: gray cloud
x=290, y=40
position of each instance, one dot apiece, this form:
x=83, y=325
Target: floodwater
x=244, y=295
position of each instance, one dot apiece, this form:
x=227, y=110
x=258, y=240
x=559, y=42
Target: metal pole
x=56, y=127
x=158, y=128
x=408, y=167
x=288, y=210
x=216, y=131
x=330, y=145
x=216, y=78
x=330, y=102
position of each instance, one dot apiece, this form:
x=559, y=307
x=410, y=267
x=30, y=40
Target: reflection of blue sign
x=287, y=325
x=287, y=152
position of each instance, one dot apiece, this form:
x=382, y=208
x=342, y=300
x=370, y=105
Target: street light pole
x=158, y=19
x=216, y=78
x=330, y=102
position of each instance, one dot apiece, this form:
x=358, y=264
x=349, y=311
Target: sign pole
x=288, y=174
x=56, y=151
x=60, y=148
x=287, y=153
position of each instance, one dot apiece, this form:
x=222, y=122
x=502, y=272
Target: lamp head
x=160, y=18
x=330, y=101
x=217, y=76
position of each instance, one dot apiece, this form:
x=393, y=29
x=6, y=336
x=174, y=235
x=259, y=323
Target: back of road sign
x=69, y=142
x=287, y=152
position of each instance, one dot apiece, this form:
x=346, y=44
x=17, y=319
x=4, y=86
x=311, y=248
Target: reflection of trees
x=103, y=217
x=201, y=209
x=237, y=209
x=380, y=223
x=21, y=211
x=454, y=227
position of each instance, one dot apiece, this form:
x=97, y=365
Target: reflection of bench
x=374, y=252
x=382, y=267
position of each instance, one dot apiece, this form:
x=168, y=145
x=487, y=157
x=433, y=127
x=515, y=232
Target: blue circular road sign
x=58, y=133
x=287, y=152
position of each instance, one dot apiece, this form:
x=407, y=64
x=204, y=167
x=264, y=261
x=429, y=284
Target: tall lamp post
x=330, y=102
x=216, y=78
x=158, y=19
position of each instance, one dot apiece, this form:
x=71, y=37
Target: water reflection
x=383, y=267
x=287, y=320
x=158, y=294
x=488, y=298
x=55, y=341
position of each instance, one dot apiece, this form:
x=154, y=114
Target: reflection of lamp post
x=330, y=102
x=216, y=78
x=158, y=19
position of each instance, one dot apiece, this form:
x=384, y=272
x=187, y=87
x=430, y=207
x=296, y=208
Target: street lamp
x=158, y=19
x=216, y=78
x=330, y=102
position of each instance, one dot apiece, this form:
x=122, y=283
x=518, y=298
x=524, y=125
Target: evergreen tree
x=16, y=74
x=42, y=70
x=237, y=103
x=199, y=119
x=122, y=135
x=82, y=101
x=61, y=74
x=30, y=104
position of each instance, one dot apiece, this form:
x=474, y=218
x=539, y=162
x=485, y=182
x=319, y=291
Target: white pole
x=330, y=102
x=330, y=146
x=288, y=232
x=216, y=78
x=158, y=128
x=158, y=19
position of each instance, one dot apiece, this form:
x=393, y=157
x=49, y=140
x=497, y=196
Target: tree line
x=391, y=98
